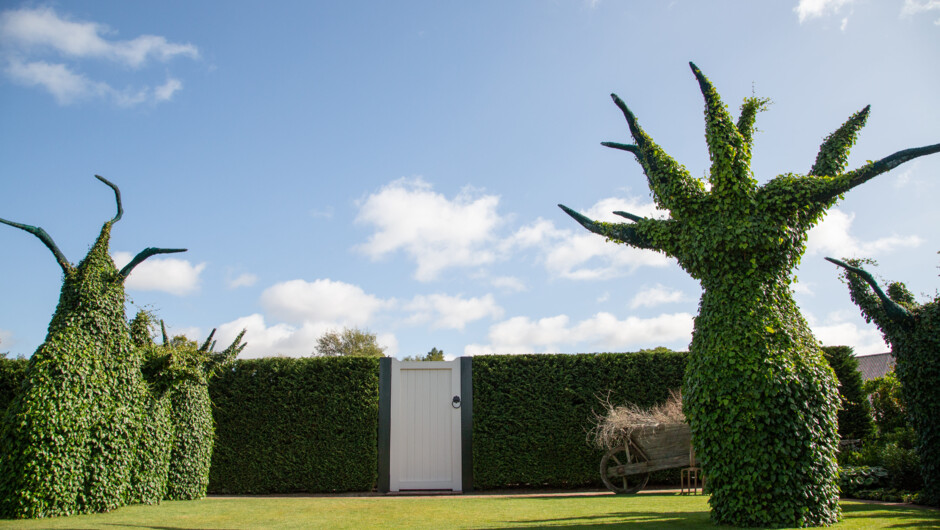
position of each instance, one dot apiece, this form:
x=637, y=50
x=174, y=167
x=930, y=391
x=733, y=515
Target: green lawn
x=647, y=510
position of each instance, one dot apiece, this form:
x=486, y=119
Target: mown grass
x=644, y=511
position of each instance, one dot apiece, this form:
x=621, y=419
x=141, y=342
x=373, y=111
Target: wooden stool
x=692, y=477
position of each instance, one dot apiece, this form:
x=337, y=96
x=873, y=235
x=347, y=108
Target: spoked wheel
x=612, y=470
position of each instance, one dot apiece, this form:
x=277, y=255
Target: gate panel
x=425, y=443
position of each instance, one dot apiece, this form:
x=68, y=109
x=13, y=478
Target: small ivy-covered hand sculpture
x=913, y=330
x=71, y=439
x=758, y=394
x=181, y=371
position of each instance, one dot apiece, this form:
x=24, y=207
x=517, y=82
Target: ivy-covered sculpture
x=913, y=330
x=758, y=394
x=76, y=438
x=180, y=371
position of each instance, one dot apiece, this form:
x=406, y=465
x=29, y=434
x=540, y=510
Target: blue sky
x=395, y=166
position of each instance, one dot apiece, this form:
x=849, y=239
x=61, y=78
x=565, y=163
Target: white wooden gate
x=425, y=431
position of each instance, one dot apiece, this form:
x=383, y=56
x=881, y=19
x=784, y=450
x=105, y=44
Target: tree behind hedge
x=83, y=434
x=913, y=330
x=855, y=419
x=760, y=398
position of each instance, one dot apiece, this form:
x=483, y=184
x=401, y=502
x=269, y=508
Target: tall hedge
x=855, y=417
x=12, y=372
x=295, y=425
x=531, y=413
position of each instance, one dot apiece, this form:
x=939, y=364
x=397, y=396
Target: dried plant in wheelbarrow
x=640, y=441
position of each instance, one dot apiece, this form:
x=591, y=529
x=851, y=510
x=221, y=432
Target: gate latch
x=456, y=402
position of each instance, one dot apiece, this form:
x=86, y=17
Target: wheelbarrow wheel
x=613, y=475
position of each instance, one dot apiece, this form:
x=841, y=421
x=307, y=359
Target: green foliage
x=913, y=330
x=84, y=433
x=433, y=355
x=855, y=417
x=71, y=434
x=853, y=479
x=179, y=372
x=887, y=404
x=760, y=398
x=12, y=373
x=295, y=425
x=350, y=342
x=531, y=413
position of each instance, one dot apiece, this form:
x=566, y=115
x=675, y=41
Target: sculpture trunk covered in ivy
x=914, y=333
x=758, y=394
x=80, y=436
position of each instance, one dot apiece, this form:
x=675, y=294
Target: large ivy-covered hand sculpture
x=759, y=396
x=71, y=440
x=914, y=333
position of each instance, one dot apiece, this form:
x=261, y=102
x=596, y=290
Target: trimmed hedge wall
x=295, y=425
x=288, y=425
x=531, y=413
x=12, y=373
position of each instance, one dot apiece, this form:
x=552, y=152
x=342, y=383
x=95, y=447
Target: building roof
x=876, y=365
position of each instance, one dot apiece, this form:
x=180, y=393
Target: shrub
x=887, y=404
x=856, y=478
x=855, y=422
x=295, y=425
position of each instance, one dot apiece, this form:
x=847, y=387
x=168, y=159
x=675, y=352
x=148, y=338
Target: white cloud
x=580, y=255
x=279, y=339
x=43, y=28
x=263, y=340
x=388, y=341
x=914, y=7
x=838, y=330
x=436, y=232
x=299, y=301
x=6, y=340
x=656, y=295
x=243, y=280
x=165, y=91
x=452, y=312
x=171, y=275
x=57, y=79
x=603, y=331
x=508, y=283
x=803, y=288
x=190, y=332
x=325, y=213
x=807, y=9
x=28, y=36
x=831, y=237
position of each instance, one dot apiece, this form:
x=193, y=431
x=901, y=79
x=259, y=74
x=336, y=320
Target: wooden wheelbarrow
x=626, y=469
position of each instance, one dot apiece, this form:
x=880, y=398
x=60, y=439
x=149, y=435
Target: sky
x=396, y=166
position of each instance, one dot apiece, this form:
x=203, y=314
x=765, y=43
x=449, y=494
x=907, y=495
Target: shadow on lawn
x=636, y=519
x=906, y=516
x=888, y=516
x=151, y=527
